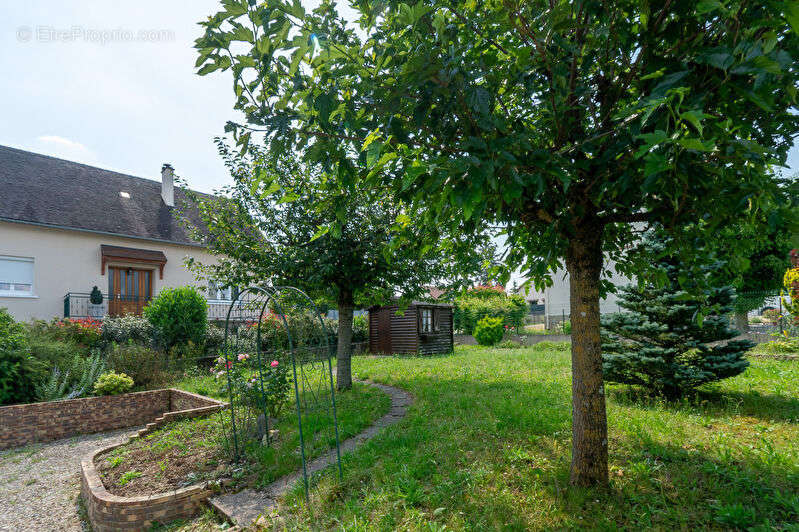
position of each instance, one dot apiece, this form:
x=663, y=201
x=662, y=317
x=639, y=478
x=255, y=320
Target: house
x=553, y=303
x=422, y=328
x=67, y=227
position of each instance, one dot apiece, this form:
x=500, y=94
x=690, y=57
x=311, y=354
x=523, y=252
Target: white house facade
x=67, y=227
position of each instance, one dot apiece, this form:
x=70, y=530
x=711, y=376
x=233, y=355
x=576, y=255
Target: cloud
x=70, y=144
x=65, y=148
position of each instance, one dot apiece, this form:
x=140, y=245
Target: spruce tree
x=673, y=336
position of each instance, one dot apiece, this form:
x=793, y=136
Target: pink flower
x=211, y=369
x=274, y=363
x=229, y=365
x=243, y=356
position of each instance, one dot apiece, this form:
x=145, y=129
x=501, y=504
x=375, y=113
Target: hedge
x=470, y=309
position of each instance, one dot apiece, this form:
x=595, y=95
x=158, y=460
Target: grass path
x=486, y=446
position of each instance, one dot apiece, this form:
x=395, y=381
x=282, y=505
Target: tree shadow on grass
x=677, y=482
x=766, y=407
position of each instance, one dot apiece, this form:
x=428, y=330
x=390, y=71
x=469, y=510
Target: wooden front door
x=129, y=290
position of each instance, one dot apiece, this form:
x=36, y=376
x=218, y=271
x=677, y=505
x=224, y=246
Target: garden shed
x=422, y=328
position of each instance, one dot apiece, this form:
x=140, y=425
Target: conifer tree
x=674, y=335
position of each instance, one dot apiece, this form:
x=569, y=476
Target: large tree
x=272, y=225
x=565, y=121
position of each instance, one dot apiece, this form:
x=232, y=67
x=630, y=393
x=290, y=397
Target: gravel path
x=40, y=484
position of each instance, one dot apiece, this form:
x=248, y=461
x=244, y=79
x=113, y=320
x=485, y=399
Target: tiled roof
x=40, y=189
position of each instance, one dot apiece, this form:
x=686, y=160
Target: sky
x=113, y=85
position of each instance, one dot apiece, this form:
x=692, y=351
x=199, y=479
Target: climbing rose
x=243, y=356
x=274, y=363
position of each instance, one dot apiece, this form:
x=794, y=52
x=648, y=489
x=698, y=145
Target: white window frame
x=425, y=325
x=12, y=292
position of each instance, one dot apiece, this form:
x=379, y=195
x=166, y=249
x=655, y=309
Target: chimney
x=168, y=184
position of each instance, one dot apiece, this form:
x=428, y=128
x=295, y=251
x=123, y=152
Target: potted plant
x=96, y=303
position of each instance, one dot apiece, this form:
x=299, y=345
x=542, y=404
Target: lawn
x=487, y=446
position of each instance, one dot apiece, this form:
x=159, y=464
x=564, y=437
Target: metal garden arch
x=298, y=334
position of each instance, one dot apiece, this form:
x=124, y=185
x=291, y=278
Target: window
x=16, y=276
x=426, y=320
x=221, y=293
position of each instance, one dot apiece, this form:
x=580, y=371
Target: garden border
x=108, y=512
x=42, y=422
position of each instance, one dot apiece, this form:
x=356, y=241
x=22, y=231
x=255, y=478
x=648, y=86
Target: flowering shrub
x=84, y=331
x=243, y=377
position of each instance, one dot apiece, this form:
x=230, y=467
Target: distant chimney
x=168, y=184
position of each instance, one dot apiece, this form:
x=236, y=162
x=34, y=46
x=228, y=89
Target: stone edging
x=248, y=506
x=108, y=512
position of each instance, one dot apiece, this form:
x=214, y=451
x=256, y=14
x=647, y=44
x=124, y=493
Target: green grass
x=486, y=446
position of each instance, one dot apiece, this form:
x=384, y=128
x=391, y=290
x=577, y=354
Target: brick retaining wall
x=42, y=422
x=108, y=512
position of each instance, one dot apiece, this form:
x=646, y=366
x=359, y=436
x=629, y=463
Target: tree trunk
x=742, y=322
x=344, y=348
x=589, y=465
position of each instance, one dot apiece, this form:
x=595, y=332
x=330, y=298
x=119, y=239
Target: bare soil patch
x=163, y=461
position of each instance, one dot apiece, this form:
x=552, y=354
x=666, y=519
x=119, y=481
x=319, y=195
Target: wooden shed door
x=384, y=331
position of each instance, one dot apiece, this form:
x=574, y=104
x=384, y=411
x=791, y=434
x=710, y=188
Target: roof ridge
x=123, y=174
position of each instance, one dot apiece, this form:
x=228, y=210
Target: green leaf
x=288, y=198
x=792, y=14
x=694, y=144
x=373, y=150
x=479, y=100
x=695, y=118
x=320, y=232
x=706, y=6
x=296, y=57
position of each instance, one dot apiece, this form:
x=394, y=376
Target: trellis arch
x=252, y=358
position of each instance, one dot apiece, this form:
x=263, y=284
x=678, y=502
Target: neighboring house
x=556, y=299
x=66, y=227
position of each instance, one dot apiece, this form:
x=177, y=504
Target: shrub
x=19, y=371
x=214, y=339
x=179, y=315
x=244, y=379
x=112, y=384
x=771, y=315
x=146, y=366
x=96, y=297
x=547, y=345
x=82, y=331
x=360, y=328
x=489, y=331
x=508, y=344
x=566, y=327
x=52, y=351
x=129, y=328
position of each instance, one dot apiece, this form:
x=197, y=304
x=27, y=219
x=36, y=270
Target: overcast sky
x=113, y=84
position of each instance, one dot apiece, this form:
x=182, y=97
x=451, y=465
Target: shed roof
x=414, y=304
